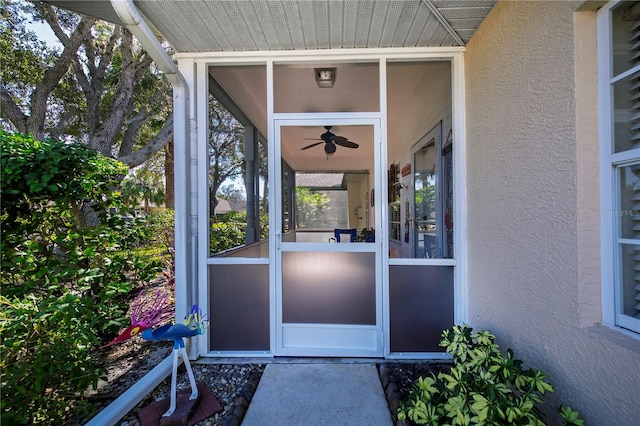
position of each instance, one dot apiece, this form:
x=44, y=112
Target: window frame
x=611, y=165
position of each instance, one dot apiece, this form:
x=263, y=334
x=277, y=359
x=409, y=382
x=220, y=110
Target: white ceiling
x=215, y=25
x=315, y=159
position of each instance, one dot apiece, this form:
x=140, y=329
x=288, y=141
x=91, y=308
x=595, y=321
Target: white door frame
x=328, y=339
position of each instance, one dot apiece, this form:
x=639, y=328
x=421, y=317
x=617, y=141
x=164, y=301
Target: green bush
x=163, y=230
x=484, y=387
x=229, y=230
x=67, y=269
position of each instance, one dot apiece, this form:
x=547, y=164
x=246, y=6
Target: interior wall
x=527, y=205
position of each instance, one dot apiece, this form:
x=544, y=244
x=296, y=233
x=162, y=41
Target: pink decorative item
x=146, y=314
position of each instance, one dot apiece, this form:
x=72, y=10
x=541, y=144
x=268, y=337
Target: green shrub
x=65, y=275
x=163, y=230
x=484, y=387
x=228, y=231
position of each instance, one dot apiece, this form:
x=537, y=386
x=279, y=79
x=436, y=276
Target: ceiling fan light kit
x=325, y=77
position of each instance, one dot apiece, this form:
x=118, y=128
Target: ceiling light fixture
x=325, y=77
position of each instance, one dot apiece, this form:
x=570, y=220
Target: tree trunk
x=169, y=175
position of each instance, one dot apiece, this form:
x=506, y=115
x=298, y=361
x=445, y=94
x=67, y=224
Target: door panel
x=420, y=307
x=329, y=288
x=239, y=308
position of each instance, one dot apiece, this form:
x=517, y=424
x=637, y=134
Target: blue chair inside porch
x=351, y=232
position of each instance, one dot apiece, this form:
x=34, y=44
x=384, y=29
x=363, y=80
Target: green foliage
x=52, y=177
x=139, y=193
x=484, y=387
x=28, y=56
x=310, y=207
x=162, y=225
x=64, y=283
x=45, y=356
x=425, y=196
x=229, y=230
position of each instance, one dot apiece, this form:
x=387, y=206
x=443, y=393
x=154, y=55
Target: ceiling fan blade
x=310, y=146
x=342, y=141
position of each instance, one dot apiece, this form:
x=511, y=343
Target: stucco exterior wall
x=533, y=205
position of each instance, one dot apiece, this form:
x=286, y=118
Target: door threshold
x=310, y=360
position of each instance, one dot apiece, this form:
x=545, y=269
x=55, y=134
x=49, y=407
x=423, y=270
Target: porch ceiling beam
x=434, y=10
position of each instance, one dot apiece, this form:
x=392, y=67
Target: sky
x=44, y=33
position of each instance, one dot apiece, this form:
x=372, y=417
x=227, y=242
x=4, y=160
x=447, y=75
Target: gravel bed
x=233, y=385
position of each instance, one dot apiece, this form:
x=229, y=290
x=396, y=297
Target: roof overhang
x=217, y=26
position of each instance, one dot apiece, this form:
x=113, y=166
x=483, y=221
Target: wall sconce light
x=325, y=77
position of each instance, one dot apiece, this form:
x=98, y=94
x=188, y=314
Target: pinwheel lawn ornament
x=148, y=314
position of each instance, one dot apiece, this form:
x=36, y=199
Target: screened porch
x=349, y=237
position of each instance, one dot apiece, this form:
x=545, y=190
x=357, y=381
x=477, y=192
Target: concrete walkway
x=319, y=395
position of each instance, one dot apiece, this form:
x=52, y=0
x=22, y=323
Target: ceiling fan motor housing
x=329, y=148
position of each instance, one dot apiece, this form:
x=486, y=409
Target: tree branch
x=81, y=77
x=12, y=112
x=123, y=94
x=107, y=56
x=131, y=130
x=93, y=85
x=50, y=16
x=53, y=75
x=146, y=152
x=63, y=121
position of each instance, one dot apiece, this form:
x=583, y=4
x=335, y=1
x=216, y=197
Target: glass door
x=328, y=273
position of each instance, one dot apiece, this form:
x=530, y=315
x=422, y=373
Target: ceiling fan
x=330, y=141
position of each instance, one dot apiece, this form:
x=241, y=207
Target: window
x=619, y=93
x=394, y=215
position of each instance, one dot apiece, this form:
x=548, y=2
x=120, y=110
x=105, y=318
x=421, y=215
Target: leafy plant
x=228, y=231
x=64, y=282
x=310, y=207
x=483, y=387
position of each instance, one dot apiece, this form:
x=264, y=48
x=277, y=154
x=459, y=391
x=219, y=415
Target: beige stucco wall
x=533, y=205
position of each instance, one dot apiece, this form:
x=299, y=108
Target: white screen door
x=328, y=256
